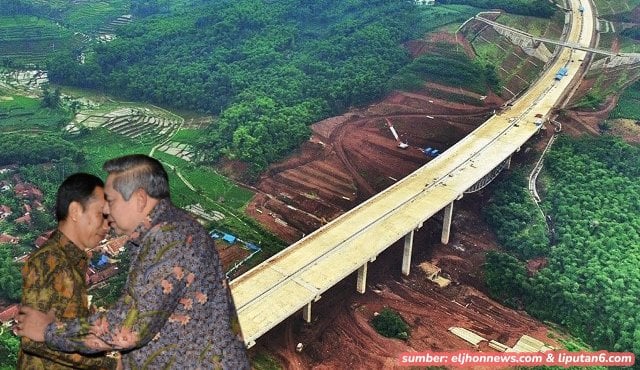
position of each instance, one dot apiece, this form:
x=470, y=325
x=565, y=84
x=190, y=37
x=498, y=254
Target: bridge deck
x=286, y=282
x=573, y=45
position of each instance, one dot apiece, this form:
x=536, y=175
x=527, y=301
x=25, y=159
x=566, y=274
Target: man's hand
x=119, y=365
x=32, y=323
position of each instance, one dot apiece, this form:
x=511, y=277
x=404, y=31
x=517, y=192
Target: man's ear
x=141, y=199
x=75, y=210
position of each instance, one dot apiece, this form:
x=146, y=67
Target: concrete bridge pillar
x=306, y=312
x=508, y=164
x=362, y=279
x=406, y=256
x=446, y=223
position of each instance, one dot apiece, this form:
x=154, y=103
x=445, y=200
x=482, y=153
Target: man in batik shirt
x=176, y=311
x=54, y=275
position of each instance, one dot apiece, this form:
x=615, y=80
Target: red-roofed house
x=8, y=239
x=40, y=240
x=114, y=246
x=94, y=277
x=6, y=316
x=25, y=219
x=5, y=211
x=26, y=190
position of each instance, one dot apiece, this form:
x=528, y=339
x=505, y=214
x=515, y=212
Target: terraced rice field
x=28, y=40
x=141, y=124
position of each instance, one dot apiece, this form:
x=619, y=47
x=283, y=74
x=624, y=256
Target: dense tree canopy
x=10, y=277
x=632, y=32
x=287, y=50
x=591, y=282
x=15, y=7
x=538, y=8
x=21, y=148
x=297, y=61
x=519, y=224
x=9, y=345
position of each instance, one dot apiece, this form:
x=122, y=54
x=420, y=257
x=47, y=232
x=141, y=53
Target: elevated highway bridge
x=572, y=45
x=290, y=281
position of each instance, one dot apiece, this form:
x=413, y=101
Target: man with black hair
x=54, y=275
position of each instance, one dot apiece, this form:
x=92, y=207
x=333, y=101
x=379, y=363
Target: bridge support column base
x=446, y=223
x=362, y=279
x=406, y=256
x=306, y=312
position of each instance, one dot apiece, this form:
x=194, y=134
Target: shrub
x=390, y=324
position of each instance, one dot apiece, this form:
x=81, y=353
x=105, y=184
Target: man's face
x=92, y=224
x=123, y=215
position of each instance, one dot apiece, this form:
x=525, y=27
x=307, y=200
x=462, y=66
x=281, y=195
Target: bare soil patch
x=341, y=336
x=348, y=159
x=351, y=157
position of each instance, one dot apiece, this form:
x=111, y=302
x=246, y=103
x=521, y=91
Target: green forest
x=269, y=69
x=538, y=8
x=629, y=104
x=591, y=282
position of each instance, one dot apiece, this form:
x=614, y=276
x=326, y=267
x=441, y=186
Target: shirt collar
x=75, y=255
x=150, y=220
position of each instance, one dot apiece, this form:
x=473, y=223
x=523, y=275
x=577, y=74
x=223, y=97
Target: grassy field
x=435, y=17
x=18, y=112
x=629, y=103
x=208, y=184
x=187, y=136
x=532, y=25
x=629, y=45
x=492, y=51
x=28, y=40
x=100, y=145
x=607, y=7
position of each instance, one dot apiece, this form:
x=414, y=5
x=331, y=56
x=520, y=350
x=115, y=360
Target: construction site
x=354, y=156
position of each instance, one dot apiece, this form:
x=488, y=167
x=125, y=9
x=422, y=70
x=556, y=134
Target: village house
x=7, y=315
x=8, y=239
x=4, y=186
x=5, y=211
x=42, y=238
x=5, y=170
x=113, y=246
x=95, y=277
x=26, y=190
x=24, y=219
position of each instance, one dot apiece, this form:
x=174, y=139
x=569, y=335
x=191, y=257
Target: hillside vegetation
x=268, y=69
x=591, y=281
x=452, y=68
x=271, y=69
x=82, y=16
x=538, y=8
x=629, y=104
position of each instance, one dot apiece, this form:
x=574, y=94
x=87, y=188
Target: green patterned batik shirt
x=54, y=278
